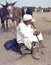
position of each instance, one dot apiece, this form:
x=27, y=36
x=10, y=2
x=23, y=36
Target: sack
x=15, y=48
x=9, y=44
x=12, y=45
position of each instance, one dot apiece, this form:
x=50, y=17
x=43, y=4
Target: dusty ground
x=43, y=22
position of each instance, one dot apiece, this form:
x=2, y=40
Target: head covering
x=27, y=17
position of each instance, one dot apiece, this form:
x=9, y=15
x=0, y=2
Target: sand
x=43, y=22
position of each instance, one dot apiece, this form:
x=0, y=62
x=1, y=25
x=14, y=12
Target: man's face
x=29, y=21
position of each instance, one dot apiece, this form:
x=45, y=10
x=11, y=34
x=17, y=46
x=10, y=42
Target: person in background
x=28, y=34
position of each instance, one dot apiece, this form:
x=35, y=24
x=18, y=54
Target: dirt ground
x=43, y=22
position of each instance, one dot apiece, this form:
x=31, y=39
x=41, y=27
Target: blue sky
x=37, y=3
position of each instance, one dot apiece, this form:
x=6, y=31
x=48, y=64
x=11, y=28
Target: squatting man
x=28, y=34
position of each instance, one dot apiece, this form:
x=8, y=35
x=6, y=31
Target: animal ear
x=6, y=2
x=14, y=3
x=2, y=5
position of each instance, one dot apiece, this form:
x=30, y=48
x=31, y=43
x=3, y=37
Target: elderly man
x=28, y=34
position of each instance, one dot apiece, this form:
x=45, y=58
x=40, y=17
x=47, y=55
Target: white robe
x=25, y=35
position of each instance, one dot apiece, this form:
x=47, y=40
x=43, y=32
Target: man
x=28, y=34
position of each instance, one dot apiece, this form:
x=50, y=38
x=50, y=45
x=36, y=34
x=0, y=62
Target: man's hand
x=36, y=33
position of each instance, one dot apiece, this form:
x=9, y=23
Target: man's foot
x=43, y=46
x=37, y=57
x=35, y=54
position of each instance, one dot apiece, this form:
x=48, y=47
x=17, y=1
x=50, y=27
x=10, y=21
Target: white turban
x=27, y=17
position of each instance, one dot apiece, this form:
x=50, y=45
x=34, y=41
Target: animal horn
x=14, y=3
